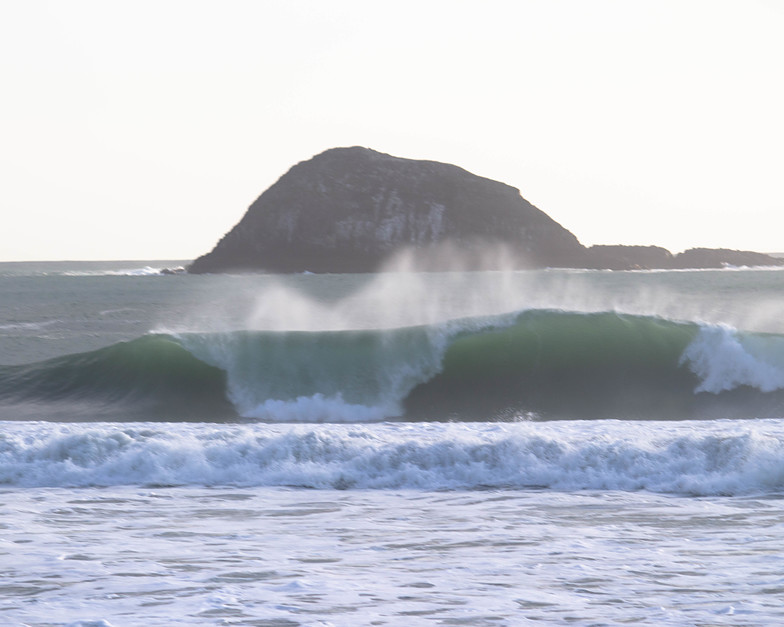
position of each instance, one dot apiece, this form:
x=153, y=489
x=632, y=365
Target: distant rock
x=655, y=258
x=722, y=258
x=354, y=209
x=627, y=257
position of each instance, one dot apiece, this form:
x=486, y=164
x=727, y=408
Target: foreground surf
x=722, y=457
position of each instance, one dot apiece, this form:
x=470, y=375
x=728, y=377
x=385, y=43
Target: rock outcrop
x=722, y=258
x=354, y=209
x=656, y=258
x=619, y=257
x=351, y=209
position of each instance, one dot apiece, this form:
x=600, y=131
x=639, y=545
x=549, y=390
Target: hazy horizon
x=144, y=131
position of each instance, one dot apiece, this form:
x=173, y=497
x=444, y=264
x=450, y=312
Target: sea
x=465, y=448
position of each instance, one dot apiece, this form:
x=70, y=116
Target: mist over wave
x=400, y=298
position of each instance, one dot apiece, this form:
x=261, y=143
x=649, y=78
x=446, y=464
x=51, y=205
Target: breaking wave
x=543, y=364
x=723, y=457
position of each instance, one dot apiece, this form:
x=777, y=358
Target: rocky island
x=354, y=209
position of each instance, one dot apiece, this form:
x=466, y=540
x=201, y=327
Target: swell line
x=543, y=364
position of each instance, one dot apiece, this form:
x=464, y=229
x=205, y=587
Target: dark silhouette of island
x=355, y=209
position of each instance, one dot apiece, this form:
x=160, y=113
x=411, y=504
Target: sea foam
x=725, y=359
x=724, y=457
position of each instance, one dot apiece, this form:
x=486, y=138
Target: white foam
x=725, y=360
x=28, y=326
x=723, y=457
x=143, y=271
x=319, y=408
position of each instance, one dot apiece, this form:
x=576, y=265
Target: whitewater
x=490, y=448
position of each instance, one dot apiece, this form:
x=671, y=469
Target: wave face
x=722, y=457
x=540, y=364
x=150, y=376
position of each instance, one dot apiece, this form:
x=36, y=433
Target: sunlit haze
x=144, y=129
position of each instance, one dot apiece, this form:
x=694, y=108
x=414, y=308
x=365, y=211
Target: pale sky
x=143, y=129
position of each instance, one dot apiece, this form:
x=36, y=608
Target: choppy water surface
x=279, y=556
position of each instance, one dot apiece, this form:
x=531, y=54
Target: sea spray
x=403, y=299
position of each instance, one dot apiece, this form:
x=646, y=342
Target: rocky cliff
x=353, y=209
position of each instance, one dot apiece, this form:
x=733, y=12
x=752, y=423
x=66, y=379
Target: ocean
x=486, y=449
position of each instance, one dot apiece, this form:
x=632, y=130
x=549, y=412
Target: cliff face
x=351, y=209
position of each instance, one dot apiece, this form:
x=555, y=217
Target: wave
x=716, y=458
x=143, y=271
x=90, y=268
x=543, y=364
x=147, y=378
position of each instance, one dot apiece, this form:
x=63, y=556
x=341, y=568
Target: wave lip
x=728, y=458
